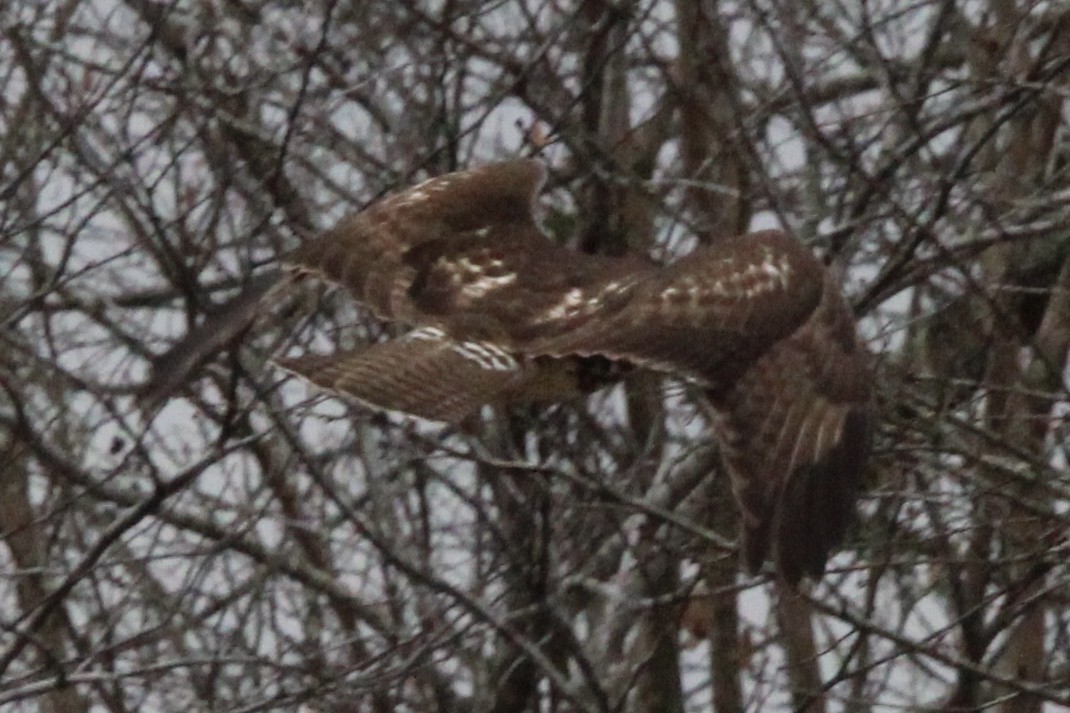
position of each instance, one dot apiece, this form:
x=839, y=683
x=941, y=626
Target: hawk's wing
x=707, y=316
x=462, y=252
x=761, y=323
x=795, y=432
x=460, y=255
x=367, y=252
x=422, y=373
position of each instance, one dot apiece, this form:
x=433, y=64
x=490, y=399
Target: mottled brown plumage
x=501, y=313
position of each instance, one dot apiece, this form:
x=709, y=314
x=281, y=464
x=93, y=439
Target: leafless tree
x=248, y=544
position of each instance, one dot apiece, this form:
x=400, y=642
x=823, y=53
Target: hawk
x=500, y=312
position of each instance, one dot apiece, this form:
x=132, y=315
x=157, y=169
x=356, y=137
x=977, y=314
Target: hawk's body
x=500, y=311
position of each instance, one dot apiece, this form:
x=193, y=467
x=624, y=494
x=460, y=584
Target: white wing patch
x=577, y=301
x=429, y=334
x=616, y=287
x=487, y=356
x=569, y=306
x=473, y=277
x=752, y=280
x=484, y=354
x=413, y=197
x=479, y=288
x=425, y=190
x=766, y=276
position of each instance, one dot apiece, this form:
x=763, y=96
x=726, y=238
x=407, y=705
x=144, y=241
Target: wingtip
x=814, y=515
x=496, y=192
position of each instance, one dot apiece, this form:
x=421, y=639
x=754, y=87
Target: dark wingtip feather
x=818, y=503
x=755, y=545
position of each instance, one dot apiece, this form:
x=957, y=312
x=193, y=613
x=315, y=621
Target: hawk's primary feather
x=498, y=306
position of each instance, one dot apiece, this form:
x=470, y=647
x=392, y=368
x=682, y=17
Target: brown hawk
x=499, y=312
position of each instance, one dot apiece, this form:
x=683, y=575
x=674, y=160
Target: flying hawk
x=500, y=312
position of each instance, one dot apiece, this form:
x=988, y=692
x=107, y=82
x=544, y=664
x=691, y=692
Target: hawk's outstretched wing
x=423, y=373
x=708, y=316
x=795, y=432
x=755, y=319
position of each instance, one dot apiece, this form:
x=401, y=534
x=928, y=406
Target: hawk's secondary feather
x=755, y=319
x=422, y=373
x=795, y=433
